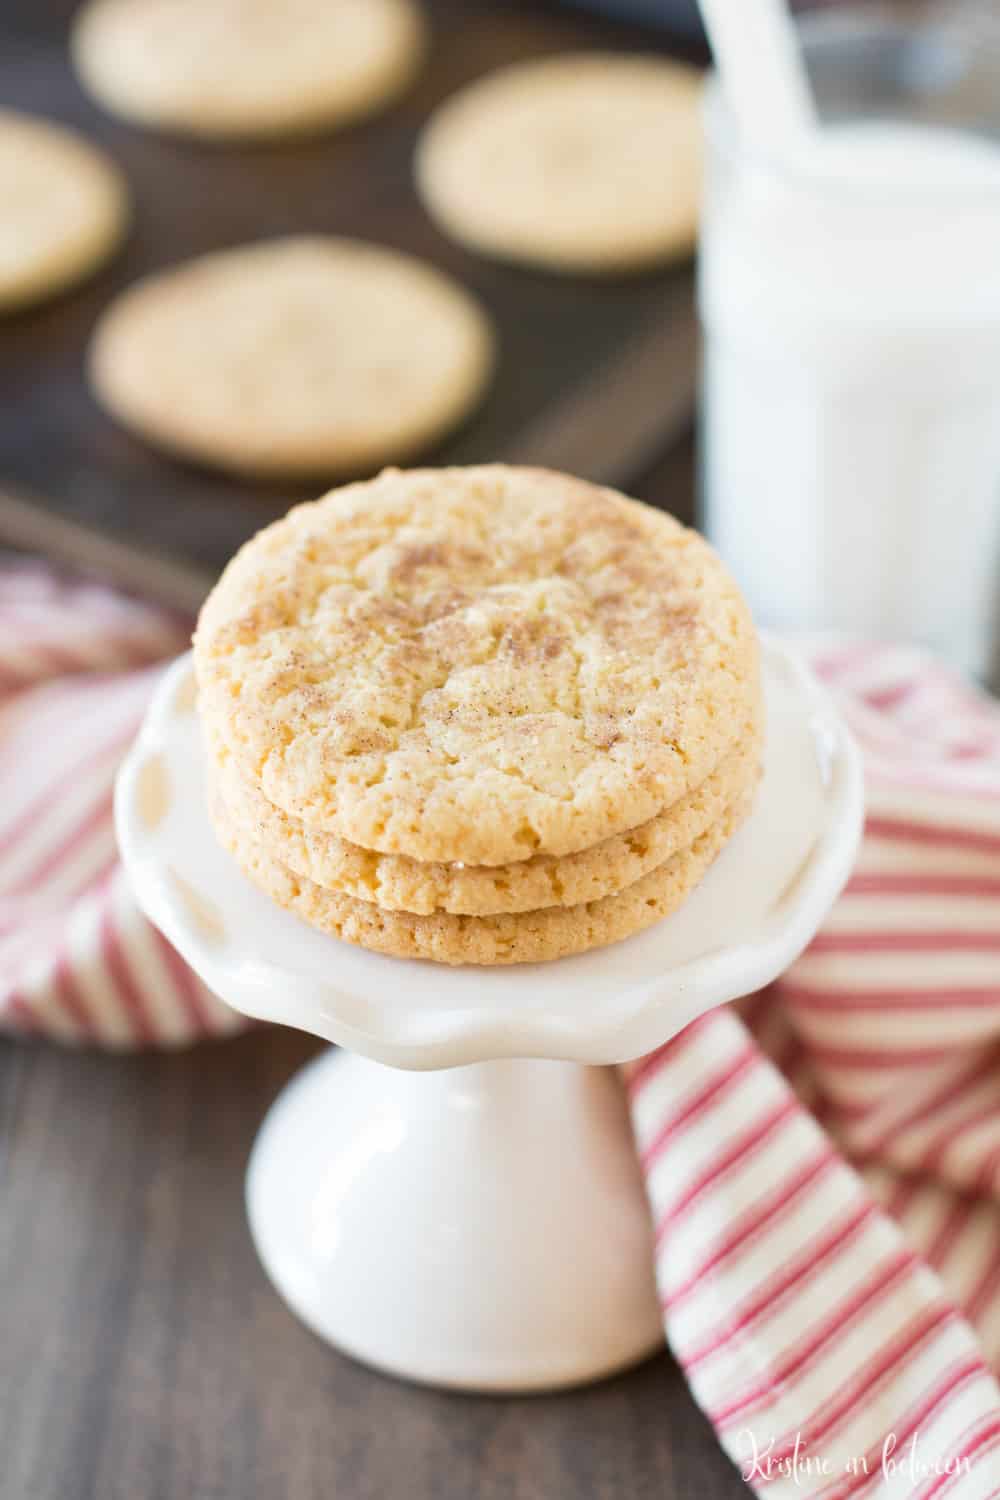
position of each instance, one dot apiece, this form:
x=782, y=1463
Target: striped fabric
x=78, y=961
x=822, y=1161
x=824, y=1312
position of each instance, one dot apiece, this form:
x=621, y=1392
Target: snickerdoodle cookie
x=515, y=938
x=300, y=356
x=477, y=665
x=396, y=882
x=64, y=208
x=589, y=162
x=246, y=68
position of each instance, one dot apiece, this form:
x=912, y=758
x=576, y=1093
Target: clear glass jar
x=850, y=443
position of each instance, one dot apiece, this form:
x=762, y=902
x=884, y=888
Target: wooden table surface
x=144, y=1355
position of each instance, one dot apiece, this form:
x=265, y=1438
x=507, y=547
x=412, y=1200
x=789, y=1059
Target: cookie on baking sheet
x=397, y=883
x=477, y=664
x=588, y=162
x=64, y=206
x=246, y=68
x=519, y=938
x=299, y=356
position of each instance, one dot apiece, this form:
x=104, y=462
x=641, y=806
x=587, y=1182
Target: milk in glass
x=851, y=403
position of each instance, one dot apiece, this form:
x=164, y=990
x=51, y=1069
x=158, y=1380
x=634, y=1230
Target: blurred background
x=594, y=375
x=814, y=509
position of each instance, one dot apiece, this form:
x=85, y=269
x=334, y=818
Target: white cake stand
x=483, y=1225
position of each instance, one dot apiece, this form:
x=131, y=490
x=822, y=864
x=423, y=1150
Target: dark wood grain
x=559, y=336
x=144, y=1356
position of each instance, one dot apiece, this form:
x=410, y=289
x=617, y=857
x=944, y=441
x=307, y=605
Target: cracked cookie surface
x=398, y=883
x=512, y=938
x=477, y=664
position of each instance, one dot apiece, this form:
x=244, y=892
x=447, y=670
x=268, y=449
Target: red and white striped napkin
x=822, y=1162
x=78, y=961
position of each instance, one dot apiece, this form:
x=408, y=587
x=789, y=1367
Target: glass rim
x=818, y=29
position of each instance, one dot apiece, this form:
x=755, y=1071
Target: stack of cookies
x=487, y=715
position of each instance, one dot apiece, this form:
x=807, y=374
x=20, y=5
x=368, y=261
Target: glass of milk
x=850, y=443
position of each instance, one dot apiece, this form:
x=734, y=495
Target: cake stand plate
x=454, y=1198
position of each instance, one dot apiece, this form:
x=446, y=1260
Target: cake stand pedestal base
x=482, y=1227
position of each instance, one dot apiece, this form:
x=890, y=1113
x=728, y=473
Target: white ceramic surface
x=483, y=1227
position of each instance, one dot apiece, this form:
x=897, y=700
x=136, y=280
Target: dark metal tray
x=596, y=376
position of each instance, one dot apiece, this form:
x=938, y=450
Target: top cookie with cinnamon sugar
x=476, y=664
